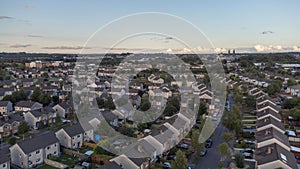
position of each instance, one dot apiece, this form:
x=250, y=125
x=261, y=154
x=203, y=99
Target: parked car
x=166, y=165
x=208, y=143
x=248, y=153
x=171, y=157
x=203, y=152
x=183, y=145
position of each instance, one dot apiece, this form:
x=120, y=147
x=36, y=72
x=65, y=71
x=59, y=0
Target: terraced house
x=9, y=124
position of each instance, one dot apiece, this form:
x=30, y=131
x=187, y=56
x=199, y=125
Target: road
x=212, y=158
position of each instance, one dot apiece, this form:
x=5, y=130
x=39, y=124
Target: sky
x=61, y=26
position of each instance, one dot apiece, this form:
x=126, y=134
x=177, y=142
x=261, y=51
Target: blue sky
x=64, y=26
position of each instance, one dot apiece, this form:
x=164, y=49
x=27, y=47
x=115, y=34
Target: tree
x=180, y=162
x=45, y=99
x=232, y=120
x=239, y=160
x=145, y=103
x=100, y=102
x=12, y=140
x=23, y=127
x=55, y=100
x=274, y=87
x=202, y=109
x=291, y=82
x=196, y=145
x=35, y=95
x=109, y=104
x=224, y=151
x=228, y=136
x=45, y=75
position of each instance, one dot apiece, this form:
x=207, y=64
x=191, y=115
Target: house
x=64, y=109
x=111, y=118
x=155, y=79
x=27, y=82
x=294, y=90
x=71, y=136
x=6, y=91
x=274, y=156
x=268, y=113
x=32, y=152
x=25, y=106
x=4, y=160
x=5, y=107
x=267, y=105
x=40, y=117
x=269, y=122
x=124, y=162
x=139, y=152
x=166, y=135
x=111, y=165
x=264, y=99
x=270, y=136
x=9, y=124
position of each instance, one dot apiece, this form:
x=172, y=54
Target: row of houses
x=272, y=149
x=159, y=141
x=33, y=113
x=33, y=151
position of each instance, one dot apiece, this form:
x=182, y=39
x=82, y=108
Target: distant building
x=25, y=106
x=5, y=107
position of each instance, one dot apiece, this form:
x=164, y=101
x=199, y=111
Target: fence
x=55, y=164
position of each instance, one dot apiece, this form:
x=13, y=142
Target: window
x=55, y=152
x=29, y=155
x=48, y=147
x=37, y=152
x=78, y=136
x=4, y=165
x=38, y=160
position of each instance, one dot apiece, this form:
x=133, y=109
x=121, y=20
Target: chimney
x=269, y=150
x=6, y=118
x=267, y=132
x=161, y=131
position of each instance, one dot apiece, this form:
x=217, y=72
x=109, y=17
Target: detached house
x=25, y=106
x=32, y=152
x=5, y=107
x=294, y=90
x=71, y=136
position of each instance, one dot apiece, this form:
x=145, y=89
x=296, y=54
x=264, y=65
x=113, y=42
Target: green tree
x=12, y=140
x=100, y=102
x=224, y=151
x=23, y=127
x=35, y=95
x=228, y=136
x=145, y=103
x=109, y=104
x=45, y=75
x=180, y=162
x=196, y=145
x=232, y=120
x=55, y=100
x=45, y=99
x=202, y=109
x=239, y=160
x=291, y=82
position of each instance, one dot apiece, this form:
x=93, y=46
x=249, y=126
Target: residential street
x=212, y=159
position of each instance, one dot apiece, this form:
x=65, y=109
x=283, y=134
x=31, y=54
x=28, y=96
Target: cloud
x=6, y=17
x=269, y=48
x=35, y=36
x=20, y=46
x=267, y=32
x=66, y=47
x=296, y=48
x=169, y=50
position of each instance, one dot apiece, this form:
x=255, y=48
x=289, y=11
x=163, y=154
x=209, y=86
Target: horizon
x=64, y=27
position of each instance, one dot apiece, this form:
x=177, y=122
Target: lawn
x=46, y=167
x=67, y=159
